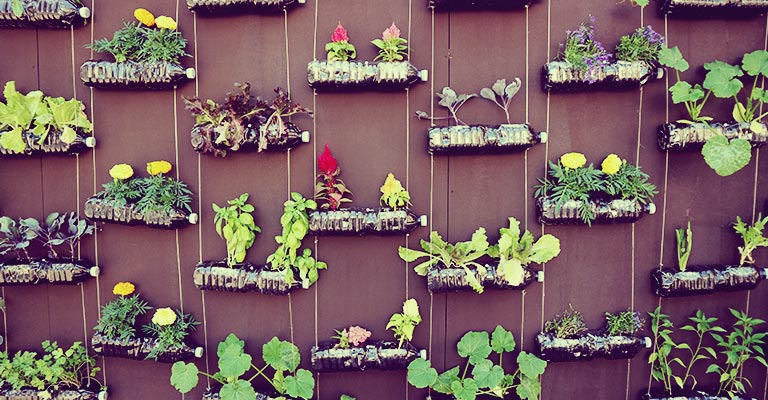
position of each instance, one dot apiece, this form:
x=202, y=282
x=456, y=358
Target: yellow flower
x=158, y=167
x=144, y=16
x=573, y=160
x=121, y=172
x=164, y=316
x=612, y=164
x=123, y=288
x=411, y=308
x=164, y=22
x=391, y=186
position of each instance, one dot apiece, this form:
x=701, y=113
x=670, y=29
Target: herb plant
x=235, y=224
x=625, y=323
x=329, y=188
x=57, y=369
x=393, y=194
x=569, y=324
x=515, y=252
x=150, y=40
x=487, y=378
x=753, y=238
x=441, y=254
x=740, y=346
x=502, y=93
x=391, y=46
x=39, y=115
x=118, y=317
x=339, y=49
x=170, y=328
x=684, y=246
x=642, y=45
x=281, y=356
x=403, y=324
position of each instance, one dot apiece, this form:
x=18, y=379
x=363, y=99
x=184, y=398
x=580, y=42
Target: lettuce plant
x=515, y=251
x=403, y=324
x=281, y=356
x=487, y=378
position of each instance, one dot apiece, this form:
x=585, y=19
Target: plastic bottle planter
x=679, y=136
x=98, y=210
x=605, y=211
x=361, y=221
x=213, y=394
x=589, y=346
x=468, y=139
x=689, y=395
x=139, y=349
x=363, y=75
x=224, y=7
x=34, y=394
x=706, y=279
x=560, y=76
x=37, y=272
x=133, y=75
x=292, y=137
x=57, y=14
x=52, y=145
x=217, y=276
x=378, y=355
x=710, y=8
x=459, y=5
x=440, y=279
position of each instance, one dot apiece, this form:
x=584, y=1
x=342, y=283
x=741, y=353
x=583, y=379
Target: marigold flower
x=326, y=163
x=411, y=308
x=391, y=33
x=573, y=160
x=123, y=289
x=121, y=172
x=164, y=316
x=164, y=22
x=340, y=34
x=144, y=16
x=357, y=335
x=391, y=185
x=158, y=167
x=612, y=164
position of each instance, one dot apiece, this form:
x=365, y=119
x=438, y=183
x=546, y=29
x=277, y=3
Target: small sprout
x=450, y=100
x=501, y=94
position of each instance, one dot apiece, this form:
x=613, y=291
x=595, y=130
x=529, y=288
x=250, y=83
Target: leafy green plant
x=487, y=378
x=625, y=323
x=684, y=246
x=692, y=96
x=60, y=229
x=403, y=324
x=569, y=324
x=393, y=194
x=740, y=346
x=281, y=356
x=235, y=224
x=753, y=238
x=515, y=252
x=118, y=317
x=295, y=223
x=502, y=93
x=38, y=115
x=57, y=369
x=169, y=332
x=391, y=46
x=441, y=254
x=450, y=100
x=17, y=237
x=724, y=81
x=276, y=114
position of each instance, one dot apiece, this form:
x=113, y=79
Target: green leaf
x=682, y=92
x=281, y=355
x=464, y=390
x=18, y=8
x=184, y=376
x=301, y=385
x=237, y=390
x=475, y=346
x=502, y=340
x=68, y=135
x=725, y=157
x=421, y=374
x=13, y=141
x=641, y=3
x=487, y=375
x=721, y=79
x=545, y=249
x=530, y=365
x=233, y=362
x=673, y=58
x=444, y=380
x=529, y=388
x=755, y=63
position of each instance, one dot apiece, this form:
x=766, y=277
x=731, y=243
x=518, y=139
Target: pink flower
x=357, y=335
x=391, y=33
x=340, y=34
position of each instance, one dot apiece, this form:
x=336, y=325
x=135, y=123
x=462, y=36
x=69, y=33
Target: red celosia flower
x=391, y=33
x=326, y=163
x=340, y=34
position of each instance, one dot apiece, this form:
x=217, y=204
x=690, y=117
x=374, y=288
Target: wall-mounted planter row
x=705, y=279
x=36, y=272
x=217, y=276
x=440, y=279
x=34, y=394
x=57, y=14
x=679, y=136
x=139, y=349
x=605, y=211
x=225, y=7
x=276, y=141
x=378, y=355
x=134, y=75
x=213, y=394
x=457, y=5
x=561, y=76
x=468, y=139
x=98, y=210
x=589, y=346
x=709, y=8
x=361, y=221
x=52, y=145
x=690, y=395
x=363, y=75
